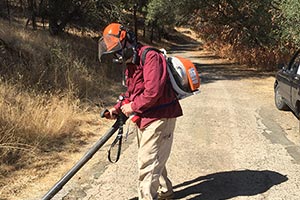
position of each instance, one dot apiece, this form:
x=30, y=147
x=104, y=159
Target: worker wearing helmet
x=151, y=97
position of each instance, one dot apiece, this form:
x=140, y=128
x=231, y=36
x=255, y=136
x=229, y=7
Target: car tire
x=279, y=102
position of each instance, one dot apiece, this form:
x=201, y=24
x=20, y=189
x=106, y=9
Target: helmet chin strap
x=124, y=65
x=129, y=55
x=123, y=74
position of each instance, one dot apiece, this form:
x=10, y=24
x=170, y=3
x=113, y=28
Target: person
x=152, y=99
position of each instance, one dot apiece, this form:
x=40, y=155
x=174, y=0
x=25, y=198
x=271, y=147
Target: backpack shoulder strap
x=144, y=53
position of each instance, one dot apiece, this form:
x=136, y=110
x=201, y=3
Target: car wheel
x=279, y=102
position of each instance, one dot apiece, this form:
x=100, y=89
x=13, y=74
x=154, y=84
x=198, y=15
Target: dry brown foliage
x=263, y=58
x=48, y=90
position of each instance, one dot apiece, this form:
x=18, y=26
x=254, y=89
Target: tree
x=5, y=9
x=82, y=13
x=235, y=22
x=289, y=19
x=160, y=13
x=60, y=13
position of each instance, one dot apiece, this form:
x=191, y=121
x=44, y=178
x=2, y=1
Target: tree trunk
x=42, y=11
x=8, y=10
x=152, y=32
x=53, y=26
x=159, y=30
x=135, y=22
x=21, y=5
x=32, y=14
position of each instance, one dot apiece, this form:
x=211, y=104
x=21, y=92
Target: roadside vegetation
x=52, y=85
x=50, y=89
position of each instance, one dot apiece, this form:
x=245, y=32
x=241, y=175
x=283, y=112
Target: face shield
x=109, y=49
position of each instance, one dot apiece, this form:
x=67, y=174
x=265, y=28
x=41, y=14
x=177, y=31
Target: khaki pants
x=155, y=143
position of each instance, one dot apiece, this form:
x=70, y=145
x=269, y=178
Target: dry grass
x=65, y=63
x=27, y=115
x=235, y=45
x=48, y=90
x=263, y=58
x=32, y=125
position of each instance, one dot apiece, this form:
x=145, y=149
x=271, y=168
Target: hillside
x=52, y=90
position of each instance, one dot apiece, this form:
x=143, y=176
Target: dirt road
x=231, y=143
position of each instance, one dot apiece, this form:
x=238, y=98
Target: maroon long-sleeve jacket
x=150, y=89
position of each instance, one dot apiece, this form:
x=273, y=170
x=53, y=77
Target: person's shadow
x=226, y=185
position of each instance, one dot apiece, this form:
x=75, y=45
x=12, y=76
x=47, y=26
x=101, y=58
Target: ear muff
x=132, y=40
x=130, y=36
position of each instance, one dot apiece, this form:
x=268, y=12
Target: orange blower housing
x=191, y=72
x=184, y=76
